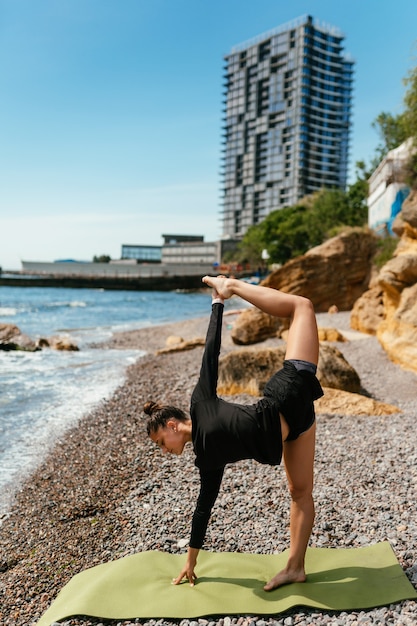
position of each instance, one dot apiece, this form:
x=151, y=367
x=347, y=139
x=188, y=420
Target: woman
x=280, y=423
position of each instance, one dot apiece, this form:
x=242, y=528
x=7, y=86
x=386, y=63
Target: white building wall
x=385, y=206
x=386, y=189
x=193, y=253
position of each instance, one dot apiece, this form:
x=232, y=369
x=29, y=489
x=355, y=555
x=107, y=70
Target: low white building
x=180, y=255
x=387, y=190
x=191, y=253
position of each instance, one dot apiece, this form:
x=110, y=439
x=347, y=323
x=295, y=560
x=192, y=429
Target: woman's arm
x=207, y=382
x=209, y=490
x=210, y=482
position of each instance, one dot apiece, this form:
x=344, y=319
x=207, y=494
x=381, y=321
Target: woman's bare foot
x=285, y=577
x=219, y=284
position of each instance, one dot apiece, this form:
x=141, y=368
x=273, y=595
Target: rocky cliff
x=336, y=273
x=389, y=308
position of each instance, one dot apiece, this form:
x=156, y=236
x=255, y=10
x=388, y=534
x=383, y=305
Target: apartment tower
x=286, y=121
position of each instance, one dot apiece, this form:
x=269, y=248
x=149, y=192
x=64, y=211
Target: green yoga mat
x=232, y=583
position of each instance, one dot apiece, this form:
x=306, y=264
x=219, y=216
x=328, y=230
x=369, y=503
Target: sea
x=44, y=393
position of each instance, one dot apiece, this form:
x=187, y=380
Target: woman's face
x=170, y=438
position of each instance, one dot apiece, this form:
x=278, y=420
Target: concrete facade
x=387, y=189
x=286, y=120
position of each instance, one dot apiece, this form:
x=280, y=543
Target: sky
x=111, y=112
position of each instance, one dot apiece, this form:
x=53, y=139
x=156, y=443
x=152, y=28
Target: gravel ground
x=105, y=491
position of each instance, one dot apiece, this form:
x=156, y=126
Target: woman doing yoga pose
x=280, y=424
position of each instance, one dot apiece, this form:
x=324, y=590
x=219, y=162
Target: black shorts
x=294, y=390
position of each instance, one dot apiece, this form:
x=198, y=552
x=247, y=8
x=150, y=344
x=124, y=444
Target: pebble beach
x=105, y=491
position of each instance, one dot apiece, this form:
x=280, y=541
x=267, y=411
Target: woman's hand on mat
x=188, y=569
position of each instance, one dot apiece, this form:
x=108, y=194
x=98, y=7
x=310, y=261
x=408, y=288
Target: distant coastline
x=186, y=278
x=122, y=276
x=148, y=283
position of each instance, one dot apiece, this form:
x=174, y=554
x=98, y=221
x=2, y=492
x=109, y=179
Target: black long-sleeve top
x=224, y=432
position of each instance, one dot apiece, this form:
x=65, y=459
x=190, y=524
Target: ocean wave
x=44, y=394
x=7, y=311
x=77, y=303
x=64, y=304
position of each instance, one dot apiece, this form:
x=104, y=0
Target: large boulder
x=180, y=345
x=335, y=273
x=397, y=274
x=397, y=333
x=248, y=370
x=368, y=311
x=63, y=343
x=253, y=326
x=334, y=371
x=11, y=338
x=338, y=402
x=330, y=334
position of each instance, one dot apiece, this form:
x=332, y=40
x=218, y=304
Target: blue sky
x=110, y=111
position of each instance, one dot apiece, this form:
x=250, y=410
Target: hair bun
x=149, y=407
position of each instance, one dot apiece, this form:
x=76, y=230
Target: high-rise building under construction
x=287, y=111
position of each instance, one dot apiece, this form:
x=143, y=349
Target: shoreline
x=104, y=491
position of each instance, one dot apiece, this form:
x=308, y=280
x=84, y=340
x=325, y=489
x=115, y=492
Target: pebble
x=98, y=498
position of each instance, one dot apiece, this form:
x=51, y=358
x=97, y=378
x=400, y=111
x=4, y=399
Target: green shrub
x=385, y=250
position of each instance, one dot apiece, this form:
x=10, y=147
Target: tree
x=250, y=248
x=410, y=101
x=395, y=129
x=392, y=130
x=357, y=194
x=103, y=258
x=410, y=124
x=289, y=232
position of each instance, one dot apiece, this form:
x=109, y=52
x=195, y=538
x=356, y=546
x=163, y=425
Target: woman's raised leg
x=302, y=341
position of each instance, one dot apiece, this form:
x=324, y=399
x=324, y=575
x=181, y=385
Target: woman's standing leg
x=299, y=463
